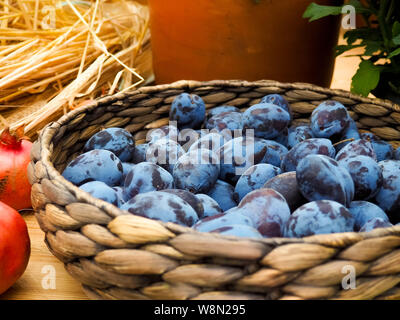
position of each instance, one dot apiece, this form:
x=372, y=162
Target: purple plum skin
x=221, y=109
x=226, y=121
x=375, y=223
x=188, y=110
x=165, y=153
x=321, y=178
x=299, y=134
x=356, y=148
x=268, y=210
x=254, y=178
x=210, y=206
x=101, y=191
x=363, y=211
x=196, y=171
x=221, y=220
x=307, y=147
x=267, y=120
x=95, y=165
x=329, y=119
x=286, y=185
x=366, y=175
x=162, y=206
x=139, y=153
x=116, y=140
x=224, y=194
x=388, y=197
x=319, y=217
x=238, y=230
x=146, y=177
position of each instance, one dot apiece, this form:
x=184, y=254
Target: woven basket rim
x=49, y=132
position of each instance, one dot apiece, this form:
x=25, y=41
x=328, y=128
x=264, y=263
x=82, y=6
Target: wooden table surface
x=42, y=263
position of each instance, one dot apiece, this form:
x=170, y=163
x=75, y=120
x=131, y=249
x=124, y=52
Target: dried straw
x=56, y=55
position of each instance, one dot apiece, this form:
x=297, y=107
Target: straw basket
x=116, y=255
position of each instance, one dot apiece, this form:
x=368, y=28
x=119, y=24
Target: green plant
x=379, y=69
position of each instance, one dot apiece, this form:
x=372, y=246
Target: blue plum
x=319, y=217
x=363, y=211
x=239, y=154
x=305, y=148
x=286, y=185
x=221, y=109
x=117, y=140
x=126, y=166
x=267, y=209
x=146, y=177
x=299, y=134
x=254, y=178
x=275, y=152
x=366, y=175
x=188, y=110
x=397, y=154
x=197, y=171
x=101, y=191
x=375, y=223
x=383, y=150
x=388, y=197
x=321, y=178
x=283, y=138
x=210, y=206
x=221, y=220
x=267, y=120
x=162, y=206
x=120, y=195
x=278, y=100
x=329, y=119
x=356, y=148
x=238, y=230
x=190, y=198
x=223, y=193
x=95, y=165
x=226, y=121
x=170, y=132
x=165, y=153
x=349, y=135
x=139, y=153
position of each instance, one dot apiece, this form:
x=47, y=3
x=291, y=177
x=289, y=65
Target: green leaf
x=372, y=47
x=316, y=11
x=394, y=53
x=396, y=29
x=366, y=78
x=396, y=40
x=372, y=34
x=339, y=50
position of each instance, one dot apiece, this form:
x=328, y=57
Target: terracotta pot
x=240, y=39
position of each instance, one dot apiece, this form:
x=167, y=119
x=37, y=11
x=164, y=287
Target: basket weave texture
x=116, y=255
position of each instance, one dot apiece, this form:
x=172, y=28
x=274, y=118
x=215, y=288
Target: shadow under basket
x=116, y=255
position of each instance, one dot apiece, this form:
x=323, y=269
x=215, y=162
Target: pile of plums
x=248, y=174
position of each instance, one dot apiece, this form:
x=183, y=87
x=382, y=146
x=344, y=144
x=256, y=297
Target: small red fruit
x=15, y=189
x=15, y=247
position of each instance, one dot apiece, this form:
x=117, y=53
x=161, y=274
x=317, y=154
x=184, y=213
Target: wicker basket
x=120, y=256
